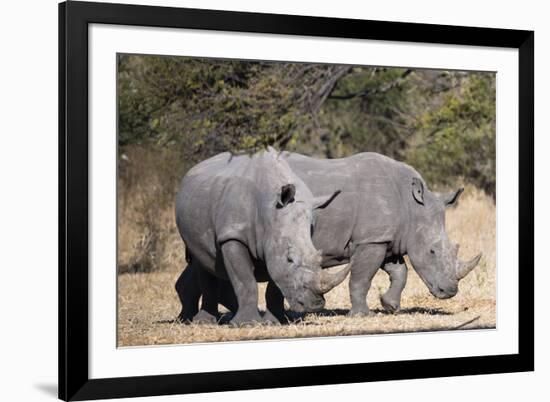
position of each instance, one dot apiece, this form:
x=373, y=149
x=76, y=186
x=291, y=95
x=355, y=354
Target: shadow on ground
x=416, y=310
x=299, y=318
x=296, y=317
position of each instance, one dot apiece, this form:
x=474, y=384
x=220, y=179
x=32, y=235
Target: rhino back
x=369, y=209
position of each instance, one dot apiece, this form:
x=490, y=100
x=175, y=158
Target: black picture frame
x=74, y=381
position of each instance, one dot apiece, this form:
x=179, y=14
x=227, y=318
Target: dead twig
x=467, y=322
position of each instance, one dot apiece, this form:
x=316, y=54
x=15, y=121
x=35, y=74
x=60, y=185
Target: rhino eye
x=432, y=252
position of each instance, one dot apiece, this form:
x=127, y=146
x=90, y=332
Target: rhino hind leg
x=208, y=313
x=240, y=270
x=366, y=261
x=397, y=271
x=275, y=304
x=227, y=297
x=189, y=292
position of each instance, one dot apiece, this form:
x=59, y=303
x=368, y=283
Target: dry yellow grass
x=148, y=304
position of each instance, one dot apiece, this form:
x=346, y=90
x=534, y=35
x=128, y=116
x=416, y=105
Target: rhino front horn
x=464, y=268
x=330, y=281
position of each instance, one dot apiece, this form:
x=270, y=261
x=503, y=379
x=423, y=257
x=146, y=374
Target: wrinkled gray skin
x=247, y=219
x=384, y=212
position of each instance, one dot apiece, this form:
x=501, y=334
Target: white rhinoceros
x=248, y=218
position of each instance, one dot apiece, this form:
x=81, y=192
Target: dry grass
x=147, y=236
x=148, y=304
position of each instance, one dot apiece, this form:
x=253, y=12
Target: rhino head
x=292, y=260
x=431, y=252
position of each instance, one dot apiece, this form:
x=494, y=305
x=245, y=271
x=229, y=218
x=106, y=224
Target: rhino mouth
x=443, y=294
x=314, y=304
x=439, y=292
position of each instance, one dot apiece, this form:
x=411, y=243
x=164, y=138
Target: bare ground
x=148, y=304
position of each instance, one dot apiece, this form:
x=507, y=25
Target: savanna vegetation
x=174, y=112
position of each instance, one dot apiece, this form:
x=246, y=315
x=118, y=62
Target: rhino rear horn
x=330, y=281
x=464, y=268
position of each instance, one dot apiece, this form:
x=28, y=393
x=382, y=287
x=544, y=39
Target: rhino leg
x=189, y=292
x=275, y=303
x=240, y=270
x=227, y=297
x=366, y=261
x=397, y=270
x=208, y=313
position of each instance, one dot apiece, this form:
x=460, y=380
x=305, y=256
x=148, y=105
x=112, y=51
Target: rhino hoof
x=359, y=312
x=246, y=321
x=184, y=319
x=270, y=319
x=204, y=317
x=391, y=306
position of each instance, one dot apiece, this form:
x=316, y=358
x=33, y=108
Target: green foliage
x=458, y=138
x=441, y=122
x=204, y=106
x=376, y=121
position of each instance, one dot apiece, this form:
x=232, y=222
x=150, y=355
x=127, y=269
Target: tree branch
x=326, y=89
x=384, y=88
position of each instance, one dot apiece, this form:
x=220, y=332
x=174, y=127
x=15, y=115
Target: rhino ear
x=323, y=202
x=288, y=191
x=418, y=190
x=452, y=198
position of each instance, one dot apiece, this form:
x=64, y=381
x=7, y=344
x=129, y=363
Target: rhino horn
x=464, y=268
x=330, y=281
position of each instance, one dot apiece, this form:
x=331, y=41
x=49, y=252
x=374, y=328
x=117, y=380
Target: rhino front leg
x=240, y=270
x=397, y=270
x=366, y=260
x=189, y=292
x=275, y=304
